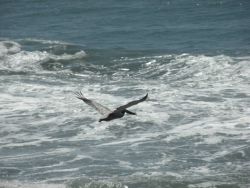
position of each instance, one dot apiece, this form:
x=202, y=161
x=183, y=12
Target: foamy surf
x=193, y=128
x=14, y=58
x=17, y=184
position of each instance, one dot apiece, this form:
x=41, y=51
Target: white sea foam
x=15, y=59
x=9, y=47
x=198, y=102
x=18, y=184
x=43, y=41
x=31, y=61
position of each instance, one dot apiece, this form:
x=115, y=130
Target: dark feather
x=132, y=103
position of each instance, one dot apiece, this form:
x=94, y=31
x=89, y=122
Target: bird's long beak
x=129, y=112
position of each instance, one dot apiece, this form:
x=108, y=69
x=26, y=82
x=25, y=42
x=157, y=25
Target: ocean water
x=192, y=57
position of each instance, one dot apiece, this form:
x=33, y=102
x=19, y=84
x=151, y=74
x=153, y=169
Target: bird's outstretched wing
x=132, y=103
x=100, y=108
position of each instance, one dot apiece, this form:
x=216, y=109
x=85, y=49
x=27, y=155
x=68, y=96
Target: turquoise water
x=192, y=57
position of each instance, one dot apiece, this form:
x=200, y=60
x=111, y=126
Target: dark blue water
x=192, y=57
x=170, y=26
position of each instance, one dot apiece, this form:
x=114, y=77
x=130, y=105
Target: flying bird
x=106, y=112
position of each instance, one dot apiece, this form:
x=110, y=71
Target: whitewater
x=193, y=131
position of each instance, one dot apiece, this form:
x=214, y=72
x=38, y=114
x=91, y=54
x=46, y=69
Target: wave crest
x=15, y=59
x=9, y=47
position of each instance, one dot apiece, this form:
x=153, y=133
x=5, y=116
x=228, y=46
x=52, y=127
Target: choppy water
x=192, y=132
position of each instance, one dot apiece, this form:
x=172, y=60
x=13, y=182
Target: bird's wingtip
x=145, y=97
x=79, y=95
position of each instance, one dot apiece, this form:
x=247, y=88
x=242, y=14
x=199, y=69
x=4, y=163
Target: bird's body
x=113, y=115
x=106, y=112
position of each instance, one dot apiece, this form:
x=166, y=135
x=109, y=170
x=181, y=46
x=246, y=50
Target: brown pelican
x=106, y=112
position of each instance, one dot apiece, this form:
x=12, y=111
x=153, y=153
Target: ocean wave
x=187, y=69
x=42, y=41
x=9, y=47
x=14, y=59
x=149, y=181
x=18, y=184
x=183, y=67
x=195, y=121
x=135, y=181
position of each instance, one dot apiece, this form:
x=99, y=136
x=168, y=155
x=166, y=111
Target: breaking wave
x=192, y=132
x=15, y=59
